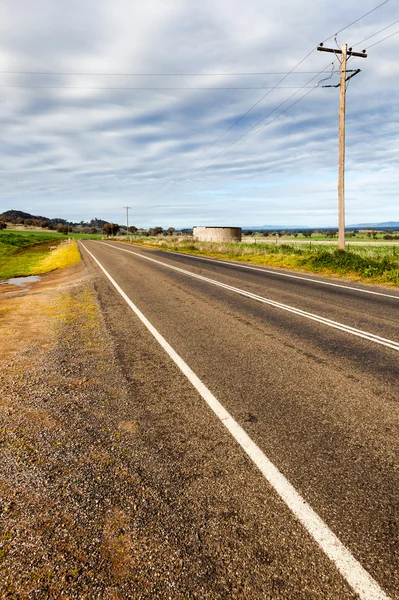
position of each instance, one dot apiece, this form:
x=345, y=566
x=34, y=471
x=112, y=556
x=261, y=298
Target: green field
x=84, y=236
x=369, y=263
x=24, y=252
x=321, y=237
x=21, y=251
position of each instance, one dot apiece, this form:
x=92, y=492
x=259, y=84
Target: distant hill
x=276, y=227
x=19, y=214
x=384, y=225
x=20, y=217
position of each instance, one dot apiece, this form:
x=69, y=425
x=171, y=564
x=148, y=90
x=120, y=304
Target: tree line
x=94, y=226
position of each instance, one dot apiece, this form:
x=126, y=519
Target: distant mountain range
x=276, y=227
x=384, y=225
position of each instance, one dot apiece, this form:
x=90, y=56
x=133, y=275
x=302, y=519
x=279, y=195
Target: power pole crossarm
x=339, y=51
x=353, y=73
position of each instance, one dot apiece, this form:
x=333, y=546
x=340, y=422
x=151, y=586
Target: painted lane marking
x=371, y=337
x=270, y=272
x=351, y=570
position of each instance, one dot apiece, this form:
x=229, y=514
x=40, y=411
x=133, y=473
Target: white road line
x=351, y=570
x=289, y=275
x=371, y=337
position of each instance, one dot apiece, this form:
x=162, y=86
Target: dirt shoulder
x=77, y=518
x=25, y=310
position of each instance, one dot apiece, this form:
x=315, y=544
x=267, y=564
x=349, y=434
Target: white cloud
x=79, y=153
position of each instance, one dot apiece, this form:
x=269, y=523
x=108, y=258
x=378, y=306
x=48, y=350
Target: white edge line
x=371, y=337
x=352, y=571
x=272, y=272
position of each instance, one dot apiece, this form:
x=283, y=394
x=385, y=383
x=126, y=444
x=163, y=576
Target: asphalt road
x=320, y=402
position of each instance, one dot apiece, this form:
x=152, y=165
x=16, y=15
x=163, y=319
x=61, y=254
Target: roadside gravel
x=77, y=519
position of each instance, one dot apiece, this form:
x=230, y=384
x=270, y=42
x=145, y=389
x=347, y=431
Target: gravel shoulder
x=70, y=479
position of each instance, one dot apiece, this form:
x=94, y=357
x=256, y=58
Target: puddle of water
x=22, y=281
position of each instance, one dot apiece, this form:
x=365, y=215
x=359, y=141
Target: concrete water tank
x=217, y=234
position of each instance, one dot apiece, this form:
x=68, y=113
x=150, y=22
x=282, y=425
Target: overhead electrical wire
x=383, y=40
x=255, y=133
x=88, y=74
x=276, y=86
x=269, y=92
x=274, y=118
x=333, y=72
x=227, y=150
x=357, y=20
x=242, y=116
x=157, y=89
x=376, y=33
x=244, y=141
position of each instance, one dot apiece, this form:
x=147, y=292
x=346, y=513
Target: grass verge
x=63, y=256
x=378, y=265
x=34, y=253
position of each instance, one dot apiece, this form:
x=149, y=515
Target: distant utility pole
x=127, y=219
x=344, y=52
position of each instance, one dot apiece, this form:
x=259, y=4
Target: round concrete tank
x=217, y=234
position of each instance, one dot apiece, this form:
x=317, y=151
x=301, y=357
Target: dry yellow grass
x=63, y=256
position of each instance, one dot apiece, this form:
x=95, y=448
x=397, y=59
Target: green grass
x=22, y=251
x=85, y=236
x=374, y=264
x=23, y=239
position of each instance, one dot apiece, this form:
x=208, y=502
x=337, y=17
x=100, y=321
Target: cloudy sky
x=78, y=142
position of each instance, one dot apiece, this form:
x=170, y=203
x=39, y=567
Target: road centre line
x=289, y=275
x=371, y=337
x=351, y=570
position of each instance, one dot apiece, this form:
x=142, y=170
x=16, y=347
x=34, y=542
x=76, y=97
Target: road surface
x=273, y=401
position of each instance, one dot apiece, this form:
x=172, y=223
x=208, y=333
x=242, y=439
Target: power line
x=278, y=116
x=244, y=115
x=157, y=89
x=376, y=33
x=269, y=92
x=224, y=153
x=259, y=130
x=357, y=20
x=383, y=40
x=155, y=74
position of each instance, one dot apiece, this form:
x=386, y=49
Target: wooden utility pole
x=341, y=152
x=344, y=52
x=127, y=220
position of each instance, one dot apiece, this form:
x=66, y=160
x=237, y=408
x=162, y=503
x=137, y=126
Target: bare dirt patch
x=24, y=318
